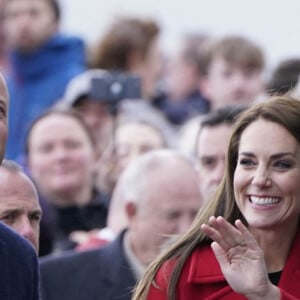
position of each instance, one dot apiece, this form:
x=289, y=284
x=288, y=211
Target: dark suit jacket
x=92, y=275
x=18, y=267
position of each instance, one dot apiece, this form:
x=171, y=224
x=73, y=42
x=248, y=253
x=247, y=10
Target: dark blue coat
x=179, y=112
x=18, y=267
x=37, y=80
x=97, y=274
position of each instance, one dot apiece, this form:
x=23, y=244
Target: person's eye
x=8, y=219
x=227, y=73
x=146, y=148
x=208, y=162
x=3, y=111
x=174, y=215
x=45, y=148
x=282, y=164
x=36, y=218
x=72, y=144
x=247, y=162
x=34, y=13
x=249, y=73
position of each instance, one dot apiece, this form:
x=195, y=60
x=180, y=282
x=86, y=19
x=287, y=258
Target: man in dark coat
x=18, y=262
x=19, y=267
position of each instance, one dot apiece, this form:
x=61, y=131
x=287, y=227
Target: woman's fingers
x=215, y=236
x=247, y=235
x=225, y=234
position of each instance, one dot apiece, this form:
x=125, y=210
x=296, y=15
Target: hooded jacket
x=37, y=81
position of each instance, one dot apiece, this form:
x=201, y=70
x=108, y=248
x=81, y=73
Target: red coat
x=202, y=278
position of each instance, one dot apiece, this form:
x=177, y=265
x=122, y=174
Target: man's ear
x=131, y=210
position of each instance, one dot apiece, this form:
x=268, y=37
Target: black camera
x=115, y=86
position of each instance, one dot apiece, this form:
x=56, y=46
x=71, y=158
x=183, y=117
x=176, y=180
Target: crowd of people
x=129, y=173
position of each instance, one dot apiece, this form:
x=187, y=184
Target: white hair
x=132, y=182
x=134, y=178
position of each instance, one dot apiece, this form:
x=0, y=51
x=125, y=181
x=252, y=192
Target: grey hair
x=134, y=178
x=130, y=187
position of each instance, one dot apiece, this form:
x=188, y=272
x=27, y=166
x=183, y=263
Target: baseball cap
x=80, y=86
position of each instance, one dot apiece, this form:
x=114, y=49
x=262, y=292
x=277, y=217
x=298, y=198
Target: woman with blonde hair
x=245, y=243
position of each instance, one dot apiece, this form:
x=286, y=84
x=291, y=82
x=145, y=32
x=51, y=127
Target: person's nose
x=217, y=173
x=238, y=81
x=23, y=20
x=261, y=177
x=26, y=229
x=60, y=153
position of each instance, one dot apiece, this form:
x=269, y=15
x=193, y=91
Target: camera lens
x=116, y=88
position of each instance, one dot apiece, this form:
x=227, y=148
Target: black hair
x=285, y=77
x=56, y=9
x=225, y=115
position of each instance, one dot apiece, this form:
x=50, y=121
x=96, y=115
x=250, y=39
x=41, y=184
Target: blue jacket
x=95, y=274
x=19, y=277
x=37, y=80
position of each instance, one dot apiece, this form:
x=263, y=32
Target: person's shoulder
x=61, y=39
x=19, y=265
x=68, y=258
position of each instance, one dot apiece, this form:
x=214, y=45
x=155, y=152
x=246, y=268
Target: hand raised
x=240, y=258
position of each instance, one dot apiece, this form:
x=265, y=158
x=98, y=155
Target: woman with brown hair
x=245, y=243
x=132, y=45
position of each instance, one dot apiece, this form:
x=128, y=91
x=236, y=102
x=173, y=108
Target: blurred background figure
x=211, y=145
x=159, y=194
x=132, y=45
x=94, y=112
x=4, y=60
x=19, y=202
x=61, y=159
x=187, y=136
x=232, y=71
x=133, y=136
x=42, y=62
x=19, y=267
x=183, y=98
x=284, y=77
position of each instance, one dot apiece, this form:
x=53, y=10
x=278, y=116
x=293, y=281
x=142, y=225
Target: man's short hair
x=285, y=77
x=225, y=115
x=56, y=9
x=233, y=49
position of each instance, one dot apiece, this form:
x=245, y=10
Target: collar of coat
x=200, y=273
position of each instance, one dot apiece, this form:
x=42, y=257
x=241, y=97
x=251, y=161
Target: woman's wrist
x=272, y=293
